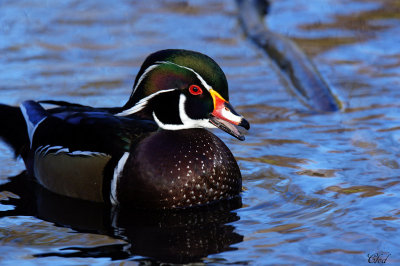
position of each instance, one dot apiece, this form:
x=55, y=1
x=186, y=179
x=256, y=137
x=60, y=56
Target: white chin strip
x=187, y=122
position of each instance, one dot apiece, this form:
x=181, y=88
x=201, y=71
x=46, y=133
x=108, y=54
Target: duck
x=154, y=152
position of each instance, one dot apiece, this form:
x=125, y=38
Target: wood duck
x=153, y=153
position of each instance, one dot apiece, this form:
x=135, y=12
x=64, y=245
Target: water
x=319, y=188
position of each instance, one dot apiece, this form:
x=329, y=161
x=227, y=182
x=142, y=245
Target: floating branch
x=303, y=77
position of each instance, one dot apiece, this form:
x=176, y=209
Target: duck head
x=181, y=89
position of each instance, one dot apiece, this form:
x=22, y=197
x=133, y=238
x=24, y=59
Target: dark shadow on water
x=158, y=236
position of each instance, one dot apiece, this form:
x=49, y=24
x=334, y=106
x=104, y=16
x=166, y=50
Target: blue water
x=319, y=188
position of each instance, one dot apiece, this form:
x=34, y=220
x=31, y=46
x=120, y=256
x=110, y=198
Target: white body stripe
x=117, y=174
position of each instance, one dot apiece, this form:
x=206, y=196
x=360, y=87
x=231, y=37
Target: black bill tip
x=245, y=124
x=229, y=128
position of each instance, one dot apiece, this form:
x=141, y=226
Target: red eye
x=195, y=90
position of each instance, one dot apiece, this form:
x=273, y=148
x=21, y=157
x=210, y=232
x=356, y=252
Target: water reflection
x=175, y=237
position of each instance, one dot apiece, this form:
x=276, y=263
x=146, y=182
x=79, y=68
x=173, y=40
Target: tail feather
x=34, y=114
x=13, y=129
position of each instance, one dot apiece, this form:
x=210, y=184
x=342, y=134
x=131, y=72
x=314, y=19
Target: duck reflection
x=164, y=236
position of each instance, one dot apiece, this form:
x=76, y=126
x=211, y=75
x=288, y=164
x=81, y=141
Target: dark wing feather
x=64, y=104
x=95, y=131
x=61, y=106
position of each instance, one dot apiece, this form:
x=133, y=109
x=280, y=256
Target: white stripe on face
x=203, y=82
x=150, y=68
x=141, y=104
x=187, y=122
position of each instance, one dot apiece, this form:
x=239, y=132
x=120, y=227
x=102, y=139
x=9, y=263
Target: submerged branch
x=303, y=77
